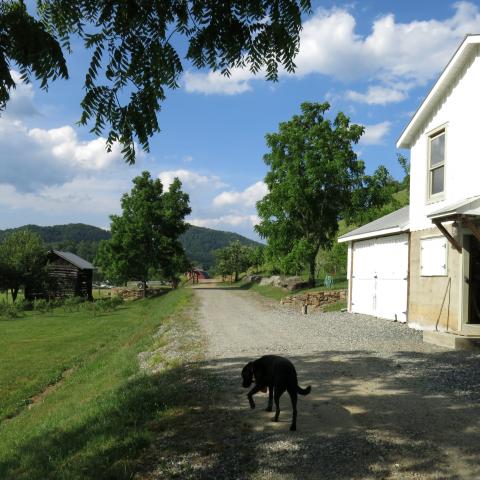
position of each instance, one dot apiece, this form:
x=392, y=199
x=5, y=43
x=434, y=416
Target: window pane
x=437, y=149
x=437, y=180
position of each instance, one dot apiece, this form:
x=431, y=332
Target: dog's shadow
x=316, y=413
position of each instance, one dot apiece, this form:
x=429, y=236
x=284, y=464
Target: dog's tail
x=304, y=391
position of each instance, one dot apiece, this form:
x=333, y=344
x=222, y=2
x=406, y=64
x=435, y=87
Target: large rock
x=294, y=283
x=253, y=278
x=274, y=280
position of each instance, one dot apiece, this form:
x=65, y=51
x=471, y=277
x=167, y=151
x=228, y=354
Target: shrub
x=116, y=300
x=57, y=302
x=106, y=304
x=73, y=304
x=42, y=306
x=24, y=305
x=10, y=311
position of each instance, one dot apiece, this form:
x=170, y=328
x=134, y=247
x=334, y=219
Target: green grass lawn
x=95, y=423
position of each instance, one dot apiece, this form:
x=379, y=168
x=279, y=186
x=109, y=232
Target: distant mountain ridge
x=201, y=242
x=198, y=242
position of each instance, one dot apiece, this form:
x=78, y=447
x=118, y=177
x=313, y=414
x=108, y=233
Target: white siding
x=459, y=112
x=379, y=277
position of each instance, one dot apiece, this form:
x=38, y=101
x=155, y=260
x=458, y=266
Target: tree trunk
x=14, y=293
x=311, y=272
x=144, y=288
x=236, y=276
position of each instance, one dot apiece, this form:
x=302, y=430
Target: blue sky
x=374, y=60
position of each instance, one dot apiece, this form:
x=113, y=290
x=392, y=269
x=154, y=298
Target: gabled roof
x=394, y=222
x=74, y=260
x=440, y=88
x=468, y=207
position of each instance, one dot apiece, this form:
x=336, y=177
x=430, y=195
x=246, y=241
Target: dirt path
x=383, y=404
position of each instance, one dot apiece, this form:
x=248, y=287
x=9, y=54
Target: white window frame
x=434, y=197
x=435, y=269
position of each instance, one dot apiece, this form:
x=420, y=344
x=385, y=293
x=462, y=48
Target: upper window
x=436, y=164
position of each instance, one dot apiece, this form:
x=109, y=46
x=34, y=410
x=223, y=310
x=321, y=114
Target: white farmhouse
x=421, y=264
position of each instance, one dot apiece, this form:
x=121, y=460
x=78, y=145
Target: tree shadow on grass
x=402, y=416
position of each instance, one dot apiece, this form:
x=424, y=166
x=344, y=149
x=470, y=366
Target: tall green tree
x=256, y=257
x=313, y=172
x=22, y=261
x=233, y=259
x=374, y=199
x=145, y=236
x=134, y=47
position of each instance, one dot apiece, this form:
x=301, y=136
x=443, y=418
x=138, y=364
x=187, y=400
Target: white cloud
x=63, y=143
x=248, y=197
x=392, y=52
x=375, y=134
x=82, y=195
x=32, y=158
x=231, y=220
x=377, y=95
x=190, y=179
x=20, y=104
x=215, y=82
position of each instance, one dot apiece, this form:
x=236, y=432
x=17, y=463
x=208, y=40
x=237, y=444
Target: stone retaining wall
x=315, y=300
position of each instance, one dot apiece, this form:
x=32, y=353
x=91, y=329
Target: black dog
x=278, y=374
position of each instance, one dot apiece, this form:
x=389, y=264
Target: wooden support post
x=448, y=236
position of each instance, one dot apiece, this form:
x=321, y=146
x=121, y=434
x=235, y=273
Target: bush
x=73, y=304
x=10, y=311
x=42, y=306
x=108, y=304
x=24, y=305
x=116, y=300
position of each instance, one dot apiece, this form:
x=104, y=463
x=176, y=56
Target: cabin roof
x=74, y=260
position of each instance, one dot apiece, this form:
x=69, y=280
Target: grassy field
x=73, y=402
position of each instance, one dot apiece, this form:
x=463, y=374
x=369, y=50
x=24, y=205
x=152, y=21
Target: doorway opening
x=474, y=281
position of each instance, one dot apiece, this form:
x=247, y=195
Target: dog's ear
x=250, y=366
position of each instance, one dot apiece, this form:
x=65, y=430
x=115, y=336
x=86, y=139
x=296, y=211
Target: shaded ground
x=383, y=404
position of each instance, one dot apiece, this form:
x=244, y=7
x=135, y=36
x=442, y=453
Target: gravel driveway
x=383, y=404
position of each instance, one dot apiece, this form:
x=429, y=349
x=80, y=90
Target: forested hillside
x=199, y=242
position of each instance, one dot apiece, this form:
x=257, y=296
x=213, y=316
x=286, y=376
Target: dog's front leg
x=270, y=399
x=250, y=395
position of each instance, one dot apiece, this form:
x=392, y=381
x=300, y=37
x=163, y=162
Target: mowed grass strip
x=96, y=422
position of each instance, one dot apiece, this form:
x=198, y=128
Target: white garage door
x=379, y=277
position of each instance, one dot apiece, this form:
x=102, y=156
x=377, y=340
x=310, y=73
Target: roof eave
x=408, y=134
x=377, y=233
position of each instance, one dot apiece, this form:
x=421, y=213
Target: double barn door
x=380, y=277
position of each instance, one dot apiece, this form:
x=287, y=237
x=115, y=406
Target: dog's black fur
x=277, y=374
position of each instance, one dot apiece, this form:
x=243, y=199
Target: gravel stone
x=383, y=403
